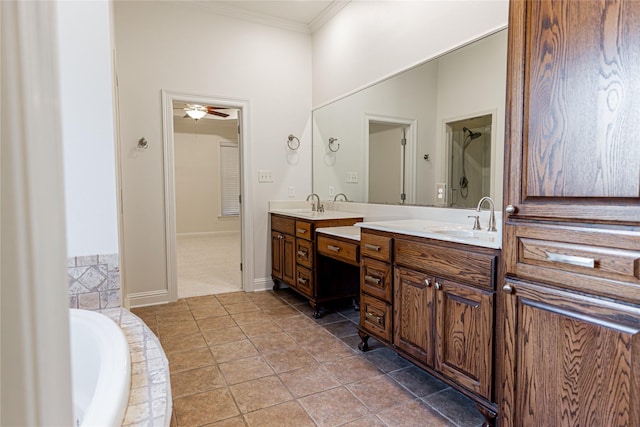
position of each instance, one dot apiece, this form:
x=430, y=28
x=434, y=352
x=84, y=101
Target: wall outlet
x=332, y=191
x=441, y=193
x=265, y=176
x=292, y=191
x=352, y=177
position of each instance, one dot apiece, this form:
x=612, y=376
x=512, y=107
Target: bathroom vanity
x=320, y=273
x=432, y=299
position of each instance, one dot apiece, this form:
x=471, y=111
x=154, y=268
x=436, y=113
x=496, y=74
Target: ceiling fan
x=197, y=111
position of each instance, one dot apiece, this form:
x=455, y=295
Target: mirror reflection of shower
x=470, y=160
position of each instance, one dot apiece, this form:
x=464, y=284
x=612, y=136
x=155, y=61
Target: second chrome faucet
x=314, y=207
x=492, y=216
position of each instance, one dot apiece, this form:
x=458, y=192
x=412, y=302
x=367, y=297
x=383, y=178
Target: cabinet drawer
x=462, y=265
x=283, y=224
x=375, y=279
x=597, y=261
x=375, y=246
x=343, y=251
x=304, y=253
x=304, y=281
x=375, y=317
x=304, y=230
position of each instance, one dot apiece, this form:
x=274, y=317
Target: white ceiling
x=299, y=15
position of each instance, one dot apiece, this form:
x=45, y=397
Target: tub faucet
x=314, y=207
x=335, y=199
x=492, y=217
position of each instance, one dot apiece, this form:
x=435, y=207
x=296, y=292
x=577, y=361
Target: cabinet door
x=288, y=260
x=570, y=360
x=413, y=314
x=276, y=254
x=572, y=113
x=464, y=335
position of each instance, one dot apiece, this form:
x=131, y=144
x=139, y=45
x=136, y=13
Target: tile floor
x=260, y=359
x=208, y=264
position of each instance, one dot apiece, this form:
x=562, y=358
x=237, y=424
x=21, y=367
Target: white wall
x=86, y=89
x=186, y=48
x=197, y=175
x=368, y=41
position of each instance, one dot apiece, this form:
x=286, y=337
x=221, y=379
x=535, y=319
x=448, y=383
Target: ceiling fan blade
x=217, y=113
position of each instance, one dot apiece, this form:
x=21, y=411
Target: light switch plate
x=265, y=176
x=292, y=191
x=332, y=191
x=352, y=177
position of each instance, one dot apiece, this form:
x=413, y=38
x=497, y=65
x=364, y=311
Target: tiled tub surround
x=260, y=359
x=150, y=394
x=94, y=282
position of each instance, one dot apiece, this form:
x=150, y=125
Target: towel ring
x=331, y=141
x=291, y=144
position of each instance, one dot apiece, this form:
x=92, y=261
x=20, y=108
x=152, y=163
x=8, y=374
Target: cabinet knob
x=427, y=282
x=510, y=209
x=508, y=289
x=438, y=285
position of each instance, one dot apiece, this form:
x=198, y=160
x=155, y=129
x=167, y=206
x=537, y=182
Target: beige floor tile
x=258, y=329
x=229, y=422
x=352, y=369
x=333, y=407
x=233, y=351
x=311, y=336
x=174, y=317
x=241, y=307
x=180, y=305
x=288, y=414
x=294, y=323
x=369, y=421
x=204, y=312
x=379, y=393
x=329, y=351
x=289, y=359
x=219, y=322
x=232, y=297
x=274, y=342
x=237, y=371
x=249, y=317
x=168, y=330
x=282, y=312
x=203, y=408
x=261, y=393
x=309, y=380
x=183, y=343
x=190, y=359
x=215, y=337
x=406, y=416
x=204, y=300
x=195, y=381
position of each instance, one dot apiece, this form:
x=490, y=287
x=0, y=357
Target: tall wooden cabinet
x=569, y=319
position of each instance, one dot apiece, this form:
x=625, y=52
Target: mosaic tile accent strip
x=94, y=282
x=150, y=402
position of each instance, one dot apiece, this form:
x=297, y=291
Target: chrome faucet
x=335, y=199
x=314, y=207
x=492, y=217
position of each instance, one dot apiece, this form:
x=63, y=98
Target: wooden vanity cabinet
x=442, y=298
x=294, y=258
x=569, y=304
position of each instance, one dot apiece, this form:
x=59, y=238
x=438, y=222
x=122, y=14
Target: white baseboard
x=141, y=299
x=210, y=233
x=263, y=284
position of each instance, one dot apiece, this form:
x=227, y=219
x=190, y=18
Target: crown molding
x=332, y=10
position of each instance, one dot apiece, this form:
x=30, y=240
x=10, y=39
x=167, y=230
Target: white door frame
x=410, y=153
x=246, y=225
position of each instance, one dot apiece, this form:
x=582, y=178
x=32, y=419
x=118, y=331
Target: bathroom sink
x=468, y=234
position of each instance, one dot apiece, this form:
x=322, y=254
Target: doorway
x=206, y=234
x=207, y=189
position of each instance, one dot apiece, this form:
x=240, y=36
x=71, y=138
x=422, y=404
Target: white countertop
x=439, y=230
x=348, y=232
x=306, y=213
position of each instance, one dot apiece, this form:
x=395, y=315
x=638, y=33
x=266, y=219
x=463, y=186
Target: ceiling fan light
x=196, y=112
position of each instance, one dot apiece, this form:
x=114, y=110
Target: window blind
x=229, y=179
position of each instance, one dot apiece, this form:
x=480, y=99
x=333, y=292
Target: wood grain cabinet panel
x=376, y=279
x=576, y=359
x=376, y=246
x=413, y=308
x=304, y=253
x=376, y=317
x=283, y=263
x=464, y=335
x=339, y=249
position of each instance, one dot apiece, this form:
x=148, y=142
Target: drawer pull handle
x=427, y=282
x=301, y=230
x=371, y=279
x=508, y=289
x=372, y=316
x=438, y=285
x=333, y=248
x=510, y=209
x=571, y=259
x=372, y=247
x=301, y=280
x=302, y=253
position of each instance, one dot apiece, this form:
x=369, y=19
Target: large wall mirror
x=431, y=135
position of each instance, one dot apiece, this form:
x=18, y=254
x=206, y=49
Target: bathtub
x=100, y=369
